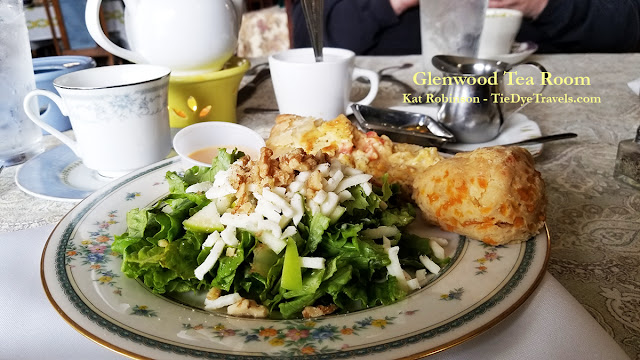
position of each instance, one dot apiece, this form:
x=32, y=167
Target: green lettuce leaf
x=319, y=223
x=228, y=265
x=399, y=217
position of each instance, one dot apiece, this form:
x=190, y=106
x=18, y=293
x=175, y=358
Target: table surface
x=594, y=220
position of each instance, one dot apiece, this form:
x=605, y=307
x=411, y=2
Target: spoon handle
x=256, y=110
x=544, y=139
x=536, y=140
x=313, y=11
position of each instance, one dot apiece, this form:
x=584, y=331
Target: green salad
x=342, y=248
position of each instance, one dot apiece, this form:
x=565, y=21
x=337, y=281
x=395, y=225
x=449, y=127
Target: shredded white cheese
x=221, y=186
x=211, y=239
x=274, y=243
x=381, y=231
x=344, y=195
x=222, y=301
x=297, y=204
x=413, y=284
x=329, y=204
x=394, y=269
x=199, y=187
x=210, y=261
x=289, y=232
x=429, y=264
x=438, y=251
x=228, y=235
x=312, y=262
x=352, y=181
x=441, y=241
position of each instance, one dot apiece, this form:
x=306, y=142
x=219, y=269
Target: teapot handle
x=542, y=69
x=92, y=18
x=240, y=7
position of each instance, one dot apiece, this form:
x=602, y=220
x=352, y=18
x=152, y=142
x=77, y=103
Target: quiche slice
x=339, y=138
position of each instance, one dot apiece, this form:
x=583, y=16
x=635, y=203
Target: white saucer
x=58, y=174
x=519, y=52
x=516, y=127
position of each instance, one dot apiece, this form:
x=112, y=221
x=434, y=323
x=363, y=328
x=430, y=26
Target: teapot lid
x=462, y=65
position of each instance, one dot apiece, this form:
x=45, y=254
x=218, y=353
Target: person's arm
x=400, y=6
x=349, y=24
x=584, y=26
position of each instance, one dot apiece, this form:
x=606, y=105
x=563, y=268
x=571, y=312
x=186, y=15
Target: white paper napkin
x=635, y=86
x=550, y=325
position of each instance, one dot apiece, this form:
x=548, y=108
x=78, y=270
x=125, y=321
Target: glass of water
x=19, y=136
x=450, y=27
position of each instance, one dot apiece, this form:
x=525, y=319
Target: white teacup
x=118, y=114
x=500, y=29
x=319, y=89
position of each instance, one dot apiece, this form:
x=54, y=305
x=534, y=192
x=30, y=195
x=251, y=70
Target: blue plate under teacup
x=46, y=69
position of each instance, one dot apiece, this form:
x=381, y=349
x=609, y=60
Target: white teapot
x=188, y=36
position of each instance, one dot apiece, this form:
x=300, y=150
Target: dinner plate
x=81, y=277
x=519, y=52
x=58, y=174
x=516, y=127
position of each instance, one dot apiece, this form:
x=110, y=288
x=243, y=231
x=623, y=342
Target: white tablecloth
x=550, y=325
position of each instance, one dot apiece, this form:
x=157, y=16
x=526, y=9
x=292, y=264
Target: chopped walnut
x=213, y=294
x=314, y=184
x=248, y=308
x=317, y=311
x=254, y=175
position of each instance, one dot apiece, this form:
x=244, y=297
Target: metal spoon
x=256, y=69
x=535, y=140
x=394, y=68
x=405, y=87
x=257, y=110
x=313, y=11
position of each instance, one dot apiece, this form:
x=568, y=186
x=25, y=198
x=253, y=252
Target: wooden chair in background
x=288, y=5
x=259, y=4
x=63, y=45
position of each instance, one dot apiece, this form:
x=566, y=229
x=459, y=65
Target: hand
x=400, y=6
x=529, y=8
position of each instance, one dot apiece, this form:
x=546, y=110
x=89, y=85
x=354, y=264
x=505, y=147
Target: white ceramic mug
x=319, y=89
x=118, y=114
x=188, y=36
x=500, y=29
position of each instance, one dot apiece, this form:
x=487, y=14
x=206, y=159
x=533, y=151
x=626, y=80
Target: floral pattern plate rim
x=81, y=278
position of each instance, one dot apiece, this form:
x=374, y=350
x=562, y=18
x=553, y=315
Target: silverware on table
x=535, y=140
x=406, y=88
x=387, y=69
x=313, y=11
x=255, y=69
x=258, y=110
x=250, y=88
x=402, y=126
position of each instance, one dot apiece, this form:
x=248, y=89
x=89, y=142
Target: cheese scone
x=338, y=138
x=491, y=194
